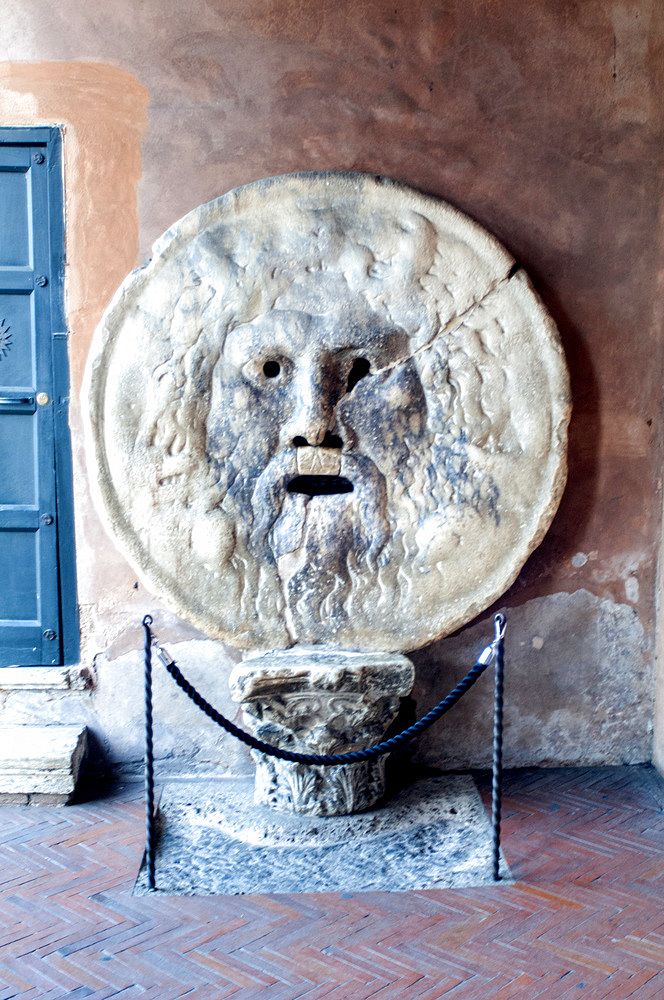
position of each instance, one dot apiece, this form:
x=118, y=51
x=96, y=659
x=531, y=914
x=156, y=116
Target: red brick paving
x=584, y=921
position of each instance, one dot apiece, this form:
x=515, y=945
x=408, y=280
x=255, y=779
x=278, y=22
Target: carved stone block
x=323, y=702
x=40, y=763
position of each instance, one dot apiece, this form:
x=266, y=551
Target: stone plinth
x=320, y=701
x=40, y=763
x=216, y=841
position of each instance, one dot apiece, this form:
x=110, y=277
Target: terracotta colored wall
x=543, y=121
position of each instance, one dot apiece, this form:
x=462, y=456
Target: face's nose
x=312, y=406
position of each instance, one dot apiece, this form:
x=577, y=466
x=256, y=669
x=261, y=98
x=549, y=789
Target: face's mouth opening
x=319, y=486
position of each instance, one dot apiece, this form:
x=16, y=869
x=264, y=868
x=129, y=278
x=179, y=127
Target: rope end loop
x=489, y=653
x=147, y=621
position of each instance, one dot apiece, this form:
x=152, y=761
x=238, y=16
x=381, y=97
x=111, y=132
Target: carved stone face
x=326, y=412
x=336, y=407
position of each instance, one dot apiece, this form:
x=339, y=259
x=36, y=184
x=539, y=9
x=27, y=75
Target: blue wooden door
x=31, y=402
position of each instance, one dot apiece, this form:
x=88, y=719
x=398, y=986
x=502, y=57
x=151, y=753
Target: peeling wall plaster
x=578, y=687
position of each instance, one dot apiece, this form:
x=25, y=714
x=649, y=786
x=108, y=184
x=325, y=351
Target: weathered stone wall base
x=578, y=687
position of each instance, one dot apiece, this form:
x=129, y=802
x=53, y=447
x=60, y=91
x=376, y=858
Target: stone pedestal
x=320, y=701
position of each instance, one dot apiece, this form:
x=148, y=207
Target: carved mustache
x=271, y=489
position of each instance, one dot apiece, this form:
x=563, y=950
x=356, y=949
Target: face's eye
x=361, y=367
x=262, y=371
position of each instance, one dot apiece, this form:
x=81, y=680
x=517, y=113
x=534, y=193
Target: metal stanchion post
x=497, y=770
x=149, y=758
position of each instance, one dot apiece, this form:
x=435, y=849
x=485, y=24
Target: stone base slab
x=214, y=840
x=40, y=763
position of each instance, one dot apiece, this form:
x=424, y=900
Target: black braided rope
x=353, y=756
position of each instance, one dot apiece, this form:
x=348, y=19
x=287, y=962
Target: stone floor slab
x=215, y=840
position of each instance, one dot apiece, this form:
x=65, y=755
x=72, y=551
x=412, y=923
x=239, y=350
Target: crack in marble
x=454, y=324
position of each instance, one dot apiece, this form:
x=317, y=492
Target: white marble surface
x=347, y=327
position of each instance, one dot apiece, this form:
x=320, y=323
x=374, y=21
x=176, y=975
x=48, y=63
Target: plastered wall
x=541, y=120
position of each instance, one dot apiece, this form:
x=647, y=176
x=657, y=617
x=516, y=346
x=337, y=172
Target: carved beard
x=330, y=545
x=356, y=552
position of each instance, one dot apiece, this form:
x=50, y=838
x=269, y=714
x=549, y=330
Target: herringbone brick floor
x=585, y=918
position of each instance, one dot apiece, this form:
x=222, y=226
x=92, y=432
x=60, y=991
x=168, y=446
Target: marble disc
x=329, y=410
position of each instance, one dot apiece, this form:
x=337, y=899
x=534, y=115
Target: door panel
x=18, y=454
x=14, y=208
x=19, y=597
x=17, y=336
x=31, y=612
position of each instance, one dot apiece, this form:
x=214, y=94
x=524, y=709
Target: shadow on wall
x=583, y=463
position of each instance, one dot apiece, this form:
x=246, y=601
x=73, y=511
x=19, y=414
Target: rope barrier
x=494, y=651
x=485, y=658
